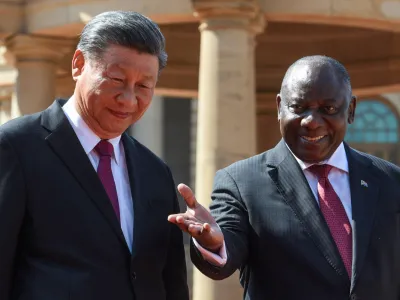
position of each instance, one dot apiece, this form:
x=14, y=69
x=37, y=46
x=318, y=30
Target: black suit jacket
x=59, y=236
x=276, y=235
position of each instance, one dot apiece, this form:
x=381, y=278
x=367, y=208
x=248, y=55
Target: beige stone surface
x=362, y=13
x=355, y=8
x=5, y=111
x=394, y=99
x=36, y=59
x=390, y=9
x=67, y=17
x=11, y=16
x=296, y=7
x=226, y=109
x=50, y=17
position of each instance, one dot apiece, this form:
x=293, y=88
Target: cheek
x=337, y=126
x=144, y=98
x=105, y=87
x=103, y=93
x=290, y=124
x=144, y=102
x=92, y=88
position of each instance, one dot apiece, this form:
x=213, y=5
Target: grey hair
x=123, y=28
x=320, y=60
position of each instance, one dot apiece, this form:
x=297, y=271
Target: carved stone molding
x=33, y=47
x=217, y=14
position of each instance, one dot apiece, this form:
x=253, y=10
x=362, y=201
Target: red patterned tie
x=105, y=151
x=334, y=213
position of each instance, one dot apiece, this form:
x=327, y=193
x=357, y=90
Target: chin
x=312, y=158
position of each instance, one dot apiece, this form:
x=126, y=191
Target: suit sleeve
x=12, y=207
x=231, y=215
x=175, y=274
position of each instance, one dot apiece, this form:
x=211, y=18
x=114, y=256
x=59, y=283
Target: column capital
x=34, y=47
x=219, y=14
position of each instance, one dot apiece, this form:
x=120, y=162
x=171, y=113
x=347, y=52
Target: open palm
x=197, y=221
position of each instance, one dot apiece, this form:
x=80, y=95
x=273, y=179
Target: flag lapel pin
x=364, y=184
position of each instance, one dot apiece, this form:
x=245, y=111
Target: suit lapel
x=140, y=203
x=291, y=182
x=363, y=200
x=64, y=142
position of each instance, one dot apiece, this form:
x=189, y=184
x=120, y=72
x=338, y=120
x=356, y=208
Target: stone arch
x=376, y=129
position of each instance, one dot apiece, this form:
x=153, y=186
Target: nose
x=128, y=98
x=312, y=120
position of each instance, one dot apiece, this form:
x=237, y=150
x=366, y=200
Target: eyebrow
x=302, y=100
x=291, y=100
x=123, y=69
x=148, y=77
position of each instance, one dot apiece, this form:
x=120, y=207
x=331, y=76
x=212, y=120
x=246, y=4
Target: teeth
x=312, y=139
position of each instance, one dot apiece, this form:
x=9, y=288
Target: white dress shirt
x=338, y=177
x=89, y=140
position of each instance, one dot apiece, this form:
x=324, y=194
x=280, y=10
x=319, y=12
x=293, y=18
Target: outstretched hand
x=197, y=221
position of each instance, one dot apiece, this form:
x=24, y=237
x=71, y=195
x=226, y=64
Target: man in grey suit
x=311, y=218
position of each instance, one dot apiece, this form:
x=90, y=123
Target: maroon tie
x=334, y=214
x=105, y=151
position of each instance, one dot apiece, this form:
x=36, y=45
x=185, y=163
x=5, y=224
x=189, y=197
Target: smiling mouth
x=312, y=139
x=118, y=114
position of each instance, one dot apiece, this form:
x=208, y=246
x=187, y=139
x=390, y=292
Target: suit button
x=353, y=297
x=133, y=275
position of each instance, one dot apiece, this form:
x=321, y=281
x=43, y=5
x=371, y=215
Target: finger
x=183, y=228
x=195, y=230
x=192, y=230
x=180, y=222
x=172, y=218
x=183, y=219
x=206, y=228
x=180, y=219
x=188, y=195
x=188, y=223
x=198, y=229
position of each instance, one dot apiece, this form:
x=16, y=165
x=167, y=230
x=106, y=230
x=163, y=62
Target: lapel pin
x=363, y=183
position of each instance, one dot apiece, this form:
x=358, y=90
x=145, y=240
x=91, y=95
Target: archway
x=375, y=130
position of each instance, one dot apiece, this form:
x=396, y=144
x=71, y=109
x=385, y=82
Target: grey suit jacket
x=277, y=237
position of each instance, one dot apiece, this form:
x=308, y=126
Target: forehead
x=128, y=59
x=308, y=82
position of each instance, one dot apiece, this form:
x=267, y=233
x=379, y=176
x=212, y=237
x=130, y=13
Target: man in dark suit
x=311, y=218
x=83, y=206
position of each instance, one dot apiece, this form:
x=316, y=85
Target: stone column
x=35, y=58
x=5, y=109
x=227, y=106
x=268, y=131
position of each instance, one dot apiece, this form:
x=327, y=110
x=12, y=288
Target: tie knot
x=104, y=148
x=321, y=171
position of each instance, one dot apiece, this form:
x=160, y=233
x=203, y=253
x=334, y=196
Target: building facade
x=215, y=101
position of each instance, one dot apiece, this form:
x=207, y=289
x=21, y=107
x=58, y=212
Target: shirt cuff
x=218, y=260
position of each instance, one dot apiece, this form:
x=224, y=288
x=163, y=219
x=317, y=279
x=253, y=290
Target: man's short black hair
x=123, y=28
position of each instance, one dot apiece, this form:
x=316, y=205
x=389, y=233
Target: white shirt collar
x=337, y=160
x=86, y=136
